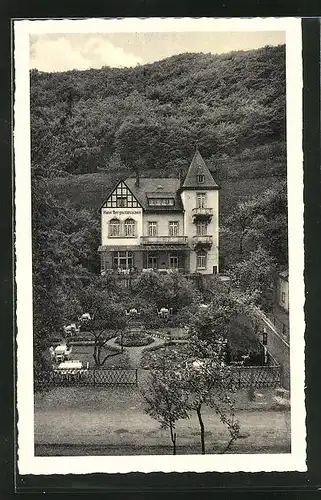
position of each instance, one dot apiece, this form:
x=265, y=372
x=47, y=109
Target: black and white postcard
x=159, y=245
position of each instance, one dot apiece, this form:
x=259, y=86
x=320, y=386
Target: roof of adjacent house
x=158, y=187
x=199, y=167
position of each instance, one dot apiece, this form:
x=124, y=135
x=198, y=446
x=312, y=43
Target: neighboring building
x=283, y=290
x=163, y=224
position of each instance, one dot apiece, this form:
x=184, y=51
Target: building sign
x=121, y=212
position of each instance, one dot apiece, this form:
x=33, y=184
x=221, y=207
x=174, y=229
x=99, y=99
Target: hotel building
x=162, y=224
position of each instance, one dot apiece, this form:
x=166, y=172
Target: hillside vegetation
x=151, y=117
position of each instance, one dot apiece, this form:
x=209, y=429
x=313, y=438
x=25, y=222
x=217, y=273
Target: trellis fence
x=257, y=377
x=238, y=377
x=246, y=377
x=88, y=377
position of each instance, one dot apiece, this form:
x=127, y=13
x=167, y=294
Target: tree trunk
x=173, y=438
x=95, y=355
x=199, y=415
x=241, y=245
x=98, y=355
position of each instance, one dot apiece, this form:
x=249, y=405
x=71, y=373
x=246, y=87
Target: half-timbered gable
x=121, y=197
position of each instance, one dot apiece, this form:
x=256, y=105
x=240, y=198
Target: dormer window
x=201, y=179
x=161, y=202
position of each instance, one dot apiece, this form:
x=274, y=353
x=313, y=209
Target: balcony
x=163, y=240
x=202, y=214
x=202, y=241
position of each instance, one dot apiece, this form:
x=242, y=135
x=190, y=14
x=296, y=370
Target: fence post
x=239, y=370
x=94, y=373
x=281, y=376
x=136, y=377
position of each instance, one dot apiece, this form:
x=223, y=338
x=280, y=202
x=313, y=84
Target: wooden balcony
x=163, y=240
x=202, y=214
x=202, y=241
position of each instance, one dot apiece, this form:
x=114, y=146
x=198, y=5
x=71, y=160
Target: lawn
x=111, y=421
x=85, y=354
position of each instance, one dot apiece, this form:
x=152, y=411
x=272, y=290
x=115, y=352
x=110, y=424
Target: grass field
x=90, y=190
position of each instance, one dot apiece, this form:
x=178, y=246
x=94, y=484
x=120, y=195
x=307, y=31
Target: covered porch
x=158, y=258
x=166, y=258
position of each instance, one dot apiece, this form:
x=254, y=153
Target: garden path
x=135, y=353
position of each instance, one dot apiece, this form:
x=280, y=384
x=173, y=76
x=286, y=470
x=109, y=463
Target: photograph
x=159, y=245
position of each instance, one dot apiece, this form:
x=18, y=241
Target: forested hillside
x=150, y=117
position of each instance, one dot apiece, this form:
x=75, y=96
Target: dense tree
x=255, y=276
x=170, y=290
x=63, y=245
x=260, y=221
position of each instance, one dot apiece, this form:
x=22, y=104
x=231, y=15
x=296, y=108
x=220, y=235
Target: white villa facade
x=164, y=224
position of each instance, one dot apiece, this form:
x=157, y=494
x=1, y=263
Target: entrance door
x=173, y=262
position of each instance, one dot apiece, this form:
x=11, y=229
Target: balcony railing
x=202, y=213
x=202, y=241
x=167, y=270
x=163, y=240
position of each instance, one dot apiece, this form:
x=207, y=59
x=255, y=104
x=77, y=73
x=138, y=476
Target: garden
x=179, y=358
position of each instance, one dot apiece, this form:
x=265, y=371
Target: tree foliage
x=192, y=377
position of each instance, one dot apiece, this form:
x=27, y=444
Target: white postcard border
x=27, y=462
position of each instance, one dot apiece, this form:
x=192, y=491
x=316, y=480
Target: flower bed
x=152, y=357
x=134, y=339
x=170, y=333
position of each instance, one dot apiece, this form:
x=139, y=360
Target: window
x=283, y=297
x=200, y=200
x=173, y=262
x=123, y=260
x=129, y=226
x=201, y=260
x=173, y=228
x=152, y=228
x=114, y=228
x=201, y=179
x=201, y=228
x=152, y=262
x=121, y=201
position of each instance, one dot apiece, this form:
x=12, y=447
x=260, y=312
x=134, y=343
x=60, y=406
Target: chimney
x=180, y=177
x=137, y=178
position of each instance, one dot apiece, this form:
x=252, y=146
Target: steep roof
x=199, y=167
x=158, y=187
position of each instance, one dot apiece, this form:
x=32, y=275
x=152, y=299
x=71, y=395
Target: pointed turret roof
x=197, y=168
